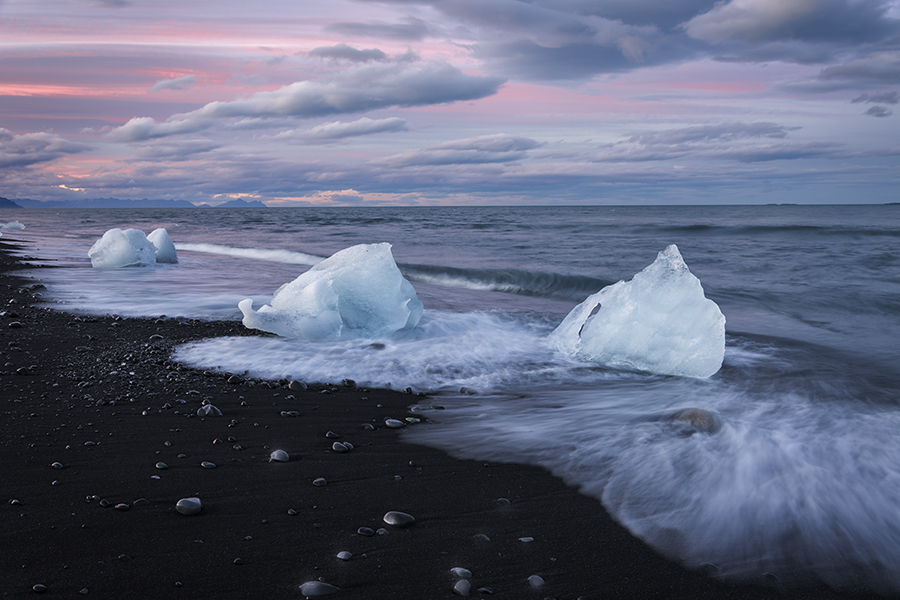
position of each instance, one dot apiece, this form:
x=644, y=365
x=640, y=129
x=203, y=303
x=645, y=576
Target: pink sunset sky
x=411, y=102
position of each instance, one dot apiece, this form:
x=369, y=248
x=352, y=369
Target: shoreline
x=101, y=396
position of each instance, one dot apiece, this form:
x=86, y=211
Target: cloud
x=178, y=83
x=358, y=89
x=31, y=148
x=339, y=130
x=413, y=30
x=348, y=53
x=724, y=132
x=878, y=111
x=140, y=129
x=882, y=98
x=496, y=148
x=753, y=21
x=878, y=67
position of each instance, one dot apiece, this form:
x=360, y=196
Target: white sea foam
x=281, y=256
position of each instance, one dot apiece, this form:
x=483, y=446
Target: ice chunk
x=356, y=293
x=12, y=226
x=165, y=249
x=660, y=322
x=117, y=248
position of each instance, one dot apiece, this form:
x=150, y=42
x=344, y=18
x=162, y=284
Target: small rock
x=332, y=435
x=189, y=506
x=393, y=423
x=339, y=447
x=399, y=519
x=208, y=465
x=122, y=506
x=57, y=465
x=365, y=531
x=482, y=537
x=344, y=555
x=15, y=325
x=162, y=466
x=462, y=587
x=536, y=581
x=141, y=502
x=238, y=561
x=290, y=413
x=348, y=383
x=461, y=573
x=319, y=482
x=292, y=512
x=208, y=410
x=317, y=588
x=39, y=588
x=279, y=456
x=235, y=380
x=297, y=386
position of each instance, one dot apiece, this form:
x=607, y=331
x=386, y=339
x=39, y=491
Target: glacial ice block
x=117, y=248
x=165, y=248
x=356, y=293
x=660, y=322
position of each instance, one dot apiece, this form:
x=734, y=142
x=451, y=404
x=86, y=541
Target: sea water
x=796, y=481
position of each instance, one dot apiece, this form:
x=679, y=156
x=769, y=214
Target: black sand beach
x=101, y=397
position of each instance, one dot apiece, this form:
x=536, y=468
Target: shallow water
x=797, y=476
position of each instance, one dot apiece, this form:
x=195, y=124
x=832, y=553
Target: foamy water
x=796, y=479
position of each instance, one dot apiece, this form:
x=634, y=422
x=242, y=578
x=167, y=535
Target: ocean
x=797, y=484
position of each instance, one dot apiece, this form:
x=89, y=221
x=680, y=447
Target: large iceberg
x=356, y=293
x=165, y=248
x=117, y=248
x=660, y=322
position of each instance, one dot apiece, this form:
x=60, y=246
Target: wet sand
x=101, y=397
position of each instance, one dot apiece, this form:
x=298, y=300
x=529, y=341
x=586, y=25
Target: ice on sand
x=117, y=248
x=165, y=248
x=660, y=322
x=356, y=293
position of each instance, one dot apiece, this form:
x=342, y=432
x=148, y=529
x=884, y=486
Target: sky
x=451, y=102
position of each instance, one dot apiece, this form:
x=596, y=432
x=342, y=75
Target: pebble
x=162, y=466
x=348, y=383
x=393, y=423
x=39, y=588
x=290, y=413
x=57, y=465
x=208, y=410
x=462, y=587
x=340, y=447
x=399, y=519
x=366, y=531
x=297, y=386
x=122, y=506
x=317, y=588
x=292, y=512
x=279, y=456
x=189, y=506
x=15, y=325
x=332, y=435
x=141, y=502
x=319, y=482
x=536, y=581
x=104, y=503
x=344, y=555
x=208, y=465
x=235, y=380
x=482, y=537
x=461, y=573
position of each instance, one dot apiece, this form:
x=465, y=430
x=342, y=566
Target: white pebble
x=393, y=423
x=279, y=456
x=317, y=588
x=344, y=555
x=536, y=581
x=399, y=519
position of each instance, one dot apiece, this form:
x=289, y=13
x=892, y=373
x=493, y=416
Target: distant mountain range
x=118, y=203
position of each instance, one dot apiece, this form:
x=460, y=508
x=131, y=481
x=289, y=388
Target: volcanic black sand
x=102, y=397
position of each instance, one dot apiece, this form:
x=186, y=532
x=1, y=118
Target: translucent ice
x=660, y=322
x=165, y=249
x=12, y=226
x=356, y=293
x=117, y=248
